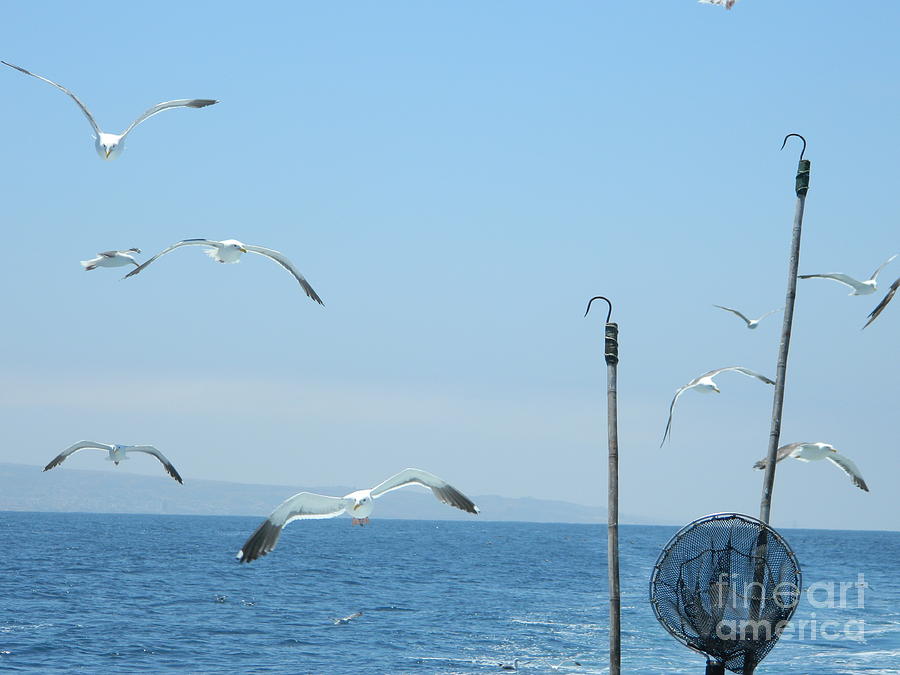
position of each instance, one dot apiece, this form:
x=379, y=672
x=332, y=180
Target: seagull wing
x=108, y=254
x=780, y=454
x=301, y=505
x=444, y=492
x=849, y=468
x=881, y=267
x=80, y=445
x=282, y=260
x=739, y=369
x=884, y=302
x=678, y=393
x=150, y=450
x=184, y=242
x=87, y=113
x=840, y=278
x=734, y=311
x=771, y=311
x=159, y=107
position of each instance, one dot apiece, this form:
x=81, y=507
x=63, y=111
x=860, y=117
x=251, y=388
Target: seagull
x=110, y=146
x=811, y=452
x=229, y=251
x=111, y=259
x=727, y=4
x=347, y=619
x=866, y=287
x=884, y=302
x=117, y=453
x=507, y=666
x=751, y=323
x=358, y=503
x=705, y=384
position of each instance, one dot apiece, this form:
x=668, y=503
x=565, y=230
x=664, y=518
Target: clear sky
x=456, y=179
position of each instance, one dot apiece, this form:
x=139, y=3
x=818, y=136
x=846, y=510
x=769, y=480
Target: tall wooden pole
x=765, y=507
x=802, y=186
x=612, y=533
x=611, y=354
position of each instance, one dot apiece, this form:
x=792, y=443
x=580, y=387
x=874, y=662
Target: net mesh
x=726, y=585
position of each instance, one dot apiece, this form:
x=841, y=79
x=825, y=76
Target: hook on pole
x=599, y=297
x=801, y=138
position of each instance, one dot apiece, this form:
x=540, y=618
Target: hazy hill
x=27, y=488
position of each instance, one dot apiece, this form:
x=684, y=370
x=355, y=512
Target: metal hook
x=599, y=297
x=801, y=138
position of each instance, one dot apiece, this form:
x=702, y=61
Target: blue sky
x=455, y=180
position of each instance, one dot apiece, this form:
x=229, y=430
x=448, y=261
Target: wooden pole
x=802, y=186
x=765, y=507
x=611, y=354
x=612, y=533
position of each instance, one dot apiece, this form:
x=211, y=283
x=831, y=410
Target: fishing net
x=726, y=585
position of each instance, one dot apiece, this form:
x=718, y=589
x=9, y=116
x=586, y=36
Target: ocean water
x=83, y=593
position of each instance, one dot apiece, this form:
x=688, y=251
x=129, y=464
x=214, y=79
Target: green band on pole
x=802, y=177
x=611, y=351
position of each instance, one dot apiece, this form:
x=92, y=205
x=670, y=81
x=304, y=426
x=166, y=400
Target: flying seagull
x=117, y=453
x=111, y=259
x=811, y=452
x=110, y=146
x=344, y=620
x=727, y=4
x=229, y=251
x=358, y=503
x=884, y=302
x=751, y=323
x=859, y=287
x=705, y=384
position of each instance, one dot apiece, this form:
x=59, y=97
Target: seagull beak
x=356, y=506
x=108, y=150
x=243, y=250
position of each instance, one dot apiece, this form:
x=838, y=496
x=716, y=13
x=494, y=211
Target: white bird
x=727, y=4
x=111, y=259
x=347, y=619
x=866, y=287
x=507, y=666
x=812, y=452
x=229, y=251
x=358, y=503
x=704, y=384
x=751, y=323
x=110, y=146
x=117, y=453
x=884, y=302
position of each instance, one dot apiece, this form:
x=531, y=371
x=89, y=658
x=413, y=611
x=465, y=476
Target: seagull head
x=360, y=502
x=234, y=245
x=118, y=453
x=109, y=146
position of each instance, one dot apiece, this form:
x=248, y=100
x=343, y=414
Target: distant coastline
x=25, y=487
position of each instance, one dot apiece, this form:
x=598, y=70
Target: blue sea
x=84, y=593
